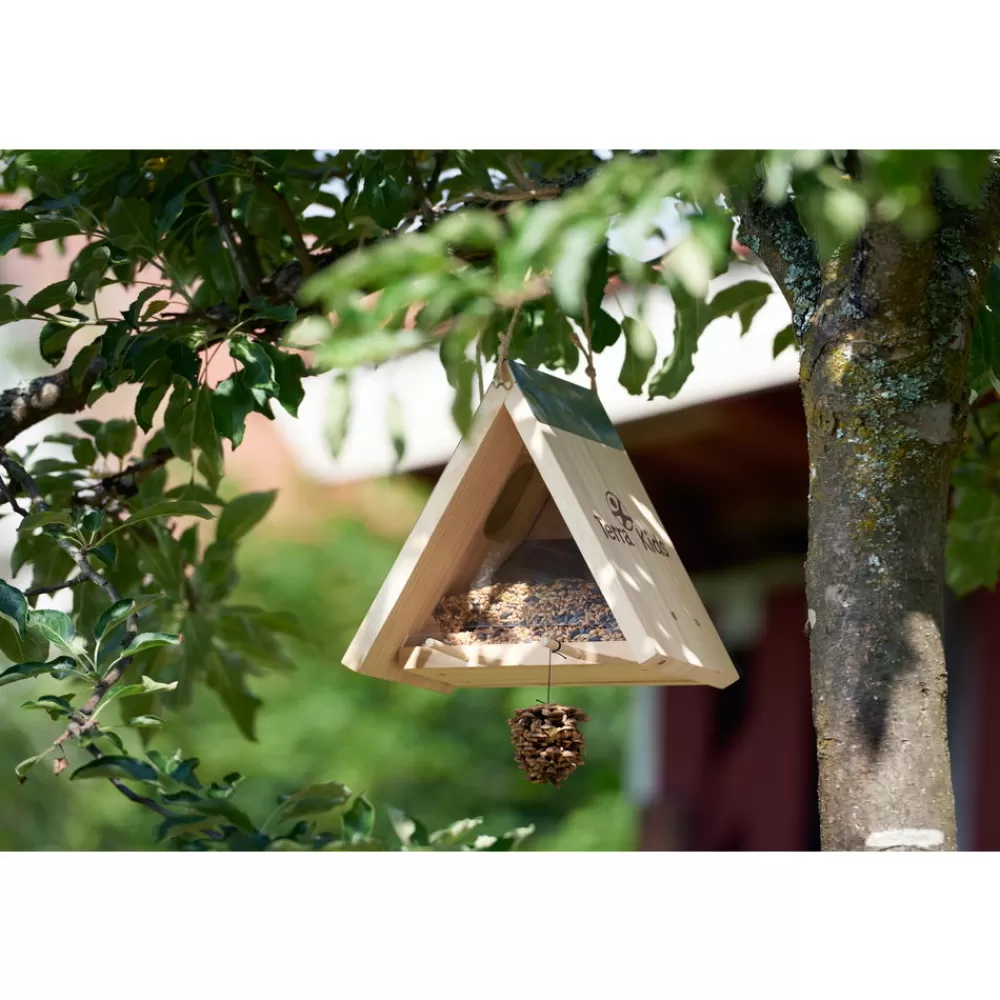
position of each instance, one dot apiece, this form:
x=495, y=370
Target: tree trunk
x=884, y=388
x=885, y=331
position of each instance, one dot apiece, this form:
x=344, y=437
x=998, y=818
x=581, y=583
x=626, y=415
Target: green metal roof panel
x=565, y=405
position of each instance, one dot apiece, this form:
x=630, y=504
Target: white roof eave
x=726, y=364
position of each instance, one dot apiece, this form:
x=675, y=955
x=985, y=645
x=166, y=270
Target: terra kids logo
x=623, y=531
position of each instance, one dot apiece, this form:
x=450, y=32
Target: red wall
x=739, y=765
x=985, y=719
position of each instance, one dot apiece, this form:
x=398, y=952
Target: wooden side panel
x=629, y=552
x=452, y=520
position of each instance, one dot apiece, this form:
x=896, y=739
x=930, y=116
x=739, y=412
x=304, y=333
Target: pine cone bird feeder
x=548, y=744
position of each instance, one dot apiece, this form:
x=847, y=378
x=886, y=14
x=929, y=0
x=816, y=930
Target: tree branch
x=142, y=800
x=118, y=482
x=26, y=405
x=775, y=234
x=221, y=214
x=53, y=587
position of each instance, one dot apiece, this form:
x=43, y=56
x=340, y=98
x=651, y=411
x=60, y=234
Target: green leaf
x=171, y=213
x=370, y=348
x=150, y=640
x=165, y=508
x=461, y=407
x=226, y=675
x=308, y=332
x=984, y=356
x=182, y=771
x=80, y=365
x=691, y=316
x=744, y=299
x=154, y=307
x=114, y=615
x=597, y=281
x=232, y=403
x=56, y=706
x=84, y=452
x=145, y=722
x=311, y=801
x=246, y=634
x=474, y=228
x=257, y=366
x=397, y=433
x=382, y=196
x=409, y=830
x=455, y=833
x=194, y=491
x=88, y=269
x=358, y=821
x=572, y=266
x=640, y=352
x=42, y=517
x=25, y=671
x=107, y=552
x=225, y=809
x=13, y=606
x=973, y=539
x=289, y=371
x=242, y=513
x=147, y=686
x=56, y=626
x=130, y=224
x=784, y=339
x=338, y=414
x=116, y=437
x=27, y=648
x=115, y=766
x=53, y=341
x=148, y=402
x=12, y=310
x=59, y=293
x=91, y=522
x=216, y=575
x=26, y=765
x=43, y=230
x=206, y=438
x=508, y=842
x=178, y=420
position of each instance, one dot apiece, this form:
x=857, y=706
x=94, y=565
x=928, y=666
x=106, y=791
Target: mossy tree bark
x=884, y=330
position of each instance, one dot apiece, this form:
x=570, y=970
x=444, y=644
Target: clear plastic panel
x=522, y=586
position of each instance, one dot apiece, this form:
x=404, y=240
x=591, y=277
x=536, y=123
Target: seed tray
x=569, y=610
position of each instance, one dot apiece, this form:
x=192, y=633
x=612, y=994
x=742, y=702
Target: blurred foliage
x=298, y=263
x=431, y=755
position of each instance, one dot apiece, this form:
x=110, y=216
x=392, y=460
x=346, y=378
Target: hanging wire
x=548, y=684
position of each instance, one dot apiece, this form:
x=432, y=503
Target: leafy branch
x=82, y=719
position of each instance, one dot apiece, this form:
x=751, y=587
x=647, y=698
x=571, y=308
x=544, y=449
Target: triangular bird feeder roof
x=541, y=449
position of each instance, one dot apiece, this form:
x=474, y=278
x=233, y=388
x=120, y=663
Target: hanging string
x=589, y=350
x=548, y=683
x=501, y=376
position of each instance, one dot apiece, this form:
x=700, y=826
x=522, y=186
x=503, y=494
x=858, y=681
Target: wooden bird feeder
x=539, y=551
